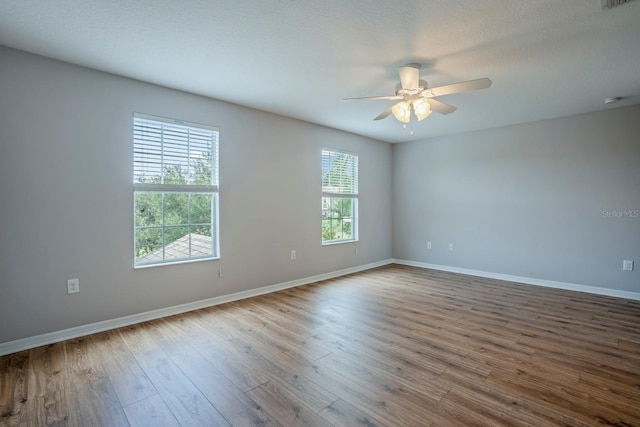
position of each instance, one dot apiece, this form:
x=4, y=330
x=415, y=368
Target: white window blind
x=339, y=173
x=176, y=155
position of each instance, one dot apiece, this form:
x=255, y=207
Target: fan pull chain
x=404, y=126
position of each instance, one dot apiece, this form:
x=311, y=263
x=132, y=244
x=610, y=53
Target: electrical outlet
x=73, y=286
x=428, y=245
x=450, y=246
x=293, y=255
x=627, y=265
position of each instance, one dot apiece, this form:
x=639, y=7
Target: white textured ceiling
x=547, y=58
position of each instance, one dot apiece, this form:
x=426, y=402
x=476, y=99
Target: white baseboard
x=92, y=328
x=526, y=280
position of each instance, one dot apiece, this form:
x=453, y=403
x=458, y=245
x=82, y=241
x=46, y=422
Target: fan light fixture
x=422, y=108
x=402, y=110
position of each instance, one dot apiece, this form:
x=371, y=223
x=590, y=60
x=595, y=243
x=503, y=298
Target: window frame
x=140, y=164
x=351, y=194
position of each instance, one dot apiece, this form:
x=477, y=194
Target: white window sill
x=182, y=261
x=338, y=242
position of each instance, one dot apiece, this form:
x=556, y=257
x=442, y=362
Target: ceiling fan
x=413, y=94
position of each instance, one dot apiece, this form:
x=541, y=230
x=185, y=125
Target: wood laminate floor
x=395, y=346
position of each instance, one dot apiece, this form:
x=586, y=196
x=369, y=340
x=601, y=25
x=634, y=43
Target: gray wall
x=526, y=200
x=66, y=196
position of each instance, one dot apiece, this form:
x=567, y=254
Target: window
x=339, y=196
x=175, y=190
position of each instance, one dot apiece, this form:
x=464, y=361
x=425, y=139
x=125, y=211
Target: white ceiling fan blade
x=441, y=107
x=367, y=98
x=384, y=114
x=410, y=76
x=459, y=87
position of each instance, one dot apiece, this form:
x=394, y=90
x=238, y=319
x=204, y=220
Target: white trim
x=175, y=188
x=171, y=121
x=526, y=280
x=181, y=261
x=340, y=195
x=105, y=325
x=338, y=242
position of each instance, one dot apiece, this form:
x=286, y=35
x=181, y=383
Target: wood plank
x=272, y=337
x=465, y=388
x=413, y=375
x=234, y=405
x=284, y=406
x=150, y=412
x=286, y=376
x=631, y=346
x=377, y=379
x=129, y=380
x=342, y=414
x=13, y=388
x=183, y=398
x=285, y=321
x=572, y=401
x=47, y=385
x=214, y=349
x=211, y=318
x=236, y=319
x=609, y=388
x=293, y=310
x=90, y=392
x=534, y=367
x=381, y=403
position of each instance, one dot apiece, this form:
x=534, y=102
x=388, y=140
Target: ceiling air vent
x=610, y=4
